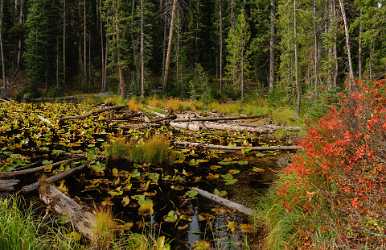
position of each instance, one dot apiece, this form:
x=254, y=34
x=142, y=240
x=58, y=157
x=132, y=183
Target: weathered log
x=37, y=169
x=207, y=119
x=140, y=126
x=162, y=119
x=75, y=117
x=224, y=202
x=52, y=179
x=195, y=126
x=83, y=220
x=234, y=148
x=8, y=185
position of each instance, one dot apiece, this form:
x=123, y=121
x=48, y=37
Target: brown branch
x=8, y=185
x=52, y=179
x=226, y=203
x=37, y=169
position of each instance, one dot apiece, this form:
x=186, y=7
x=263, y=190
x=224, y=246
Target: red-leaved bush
x=346, y=150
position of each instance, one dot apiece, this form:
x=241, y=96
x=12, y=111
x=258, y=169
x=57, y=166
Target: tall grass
x=17, y=230
x=155, y=151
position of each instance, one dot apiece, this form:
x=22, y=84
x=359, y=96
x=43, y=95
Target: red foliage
x=347, y=148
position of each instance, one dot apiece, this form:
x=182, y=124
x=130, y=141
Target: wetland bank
x=131, y=162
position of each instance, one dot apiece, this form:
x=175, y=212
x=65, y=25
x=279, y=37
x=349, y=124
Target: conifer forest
x=192, y=124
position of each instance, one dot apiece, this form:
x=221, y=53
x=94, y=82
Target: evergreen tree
x=238, y=67
x=37, y=42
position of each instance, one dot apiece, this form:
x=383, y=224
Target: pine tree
x=238, y=67
x=37, y=42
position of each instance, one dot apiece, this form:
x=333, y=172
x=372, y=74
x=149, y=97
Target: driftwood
x=37, y=169
x=52, y=179
x=226, y=203
x=208, y=119
x=75, y=117
x=8, y=185
x=234, y=148
x=83, y=220
x=195, y=126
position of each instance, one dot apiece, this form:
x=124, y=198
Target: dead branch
x=234, y=148
x=8, y=185
x=83, y=220
x=37, y=169
x=224, y=202
x=52, y=179
x=195, y=126
x=75, y=117
x=207, y=119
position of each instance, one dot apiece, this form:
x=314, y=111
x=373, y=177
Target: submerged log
x=75, y=117
x=52, y=179
x=8, y=185
x=234, y=148
x=195, y=126
x=224, y=202
x=37, y=169
x=83, y=220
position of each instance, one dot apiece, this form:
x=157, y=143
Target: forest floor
x=134, y=166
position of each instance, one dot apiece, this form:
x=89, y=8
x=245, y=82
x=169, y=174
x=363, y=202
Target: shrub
x=332, y=193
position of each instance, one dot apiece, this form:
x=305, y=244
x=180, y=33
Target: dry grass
x=104, y=230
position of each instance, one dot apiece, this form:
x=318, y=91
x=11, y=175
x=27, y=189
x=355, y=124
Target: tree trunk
x=360, y=48
x=316, y=59
x=335, y=51
x=85, y=42
x=169, y=48
x=64, y=40
x=141, y=54
x=221, y=46
x=242, y=72
x=272, y=42
x=103, y=82
x=19, y=46
x=297, y=84
x=348, y=46
x=1, y=46
x=232, y=13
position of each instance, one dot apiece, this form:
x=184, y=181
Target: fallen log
x=224, y=202
x=8, y=185
x=207, y=119
x=83, y=220
x=234, y=148
x=37, y=169
x=195, y=126
x=75, y=117
x=52, y=179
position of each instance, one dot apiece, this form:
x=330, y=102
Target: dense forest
x=192, y=124
x=188, y=48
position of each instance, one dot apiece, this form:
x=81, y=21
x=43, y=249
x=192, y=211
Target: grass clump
x=103, y=230
x=154, y=151
x=17, y=230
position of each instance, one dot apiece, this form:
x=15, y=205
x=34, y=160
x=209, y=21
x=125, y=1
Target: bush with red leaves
x=346, y=150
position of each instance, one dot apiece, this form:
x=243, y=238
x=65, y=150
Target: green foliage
x=37, y=42
x=154, y=151
x=199, y=85
x=17, y=230
x=238, y=67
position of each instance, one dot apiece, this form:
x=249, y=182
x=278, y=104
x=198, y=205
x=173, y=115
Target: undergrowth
x=155, y=151
x=331, y=195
